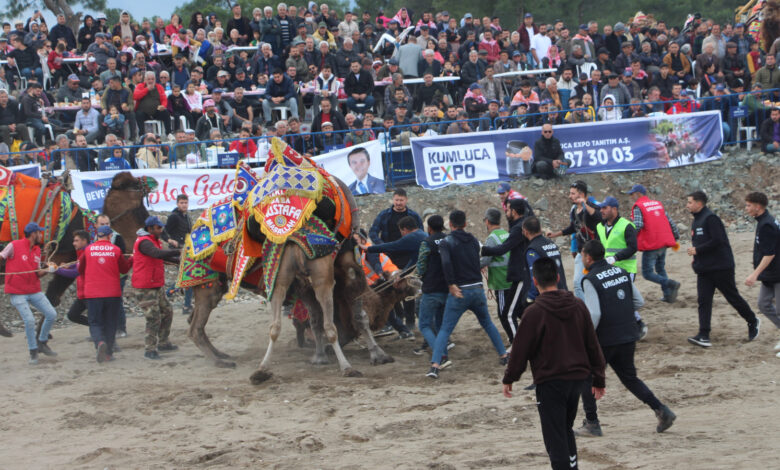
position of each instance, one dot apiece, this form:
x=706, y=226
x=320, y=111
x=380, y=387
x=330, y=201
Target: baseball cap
x=73, y=77
x=32, y=227
x=493, y=216
x=217, y=90
x=322, y=25
x=720, y=87
x=152, y=221
x=208, y=103
x=637, y=188
x=467, y=15
x=583, y=26
x=327, y=123
x=609, y=201
x=493, y=101
x=504, y=109
x=223, y=73
x=583, y=76
x=516, y=53
x=627, y=73
x=503, y=188
x=104, y=230
x=393, y=61
x=475, y=86
x=445, y=13
x=528, y=15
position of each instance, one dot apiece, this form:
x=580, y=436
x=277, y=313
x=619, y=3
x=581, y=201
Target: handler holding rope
x=23, y=286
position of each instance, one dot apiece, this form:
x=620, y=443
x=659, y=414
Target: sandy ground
x=70, y=412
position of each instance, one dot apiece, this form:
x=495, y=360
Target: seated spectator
x=83, y=157
x=210, y=120
x=245, y=146
x=178, y=107
x=429, y=93
x=526, y=95
x=474, y=103
x=359, y=87
x=461, y=126
x=150, y=156
x=608, y=111
x=194, y=103
x=113, y=121
x=328, y=140
x=636, y=109
x=119, y=96
x=116, y=162
x=399, y=99
x=243, y=111
x=151, y=103
x=326, y=87
x=770, y=132
x=548, y=155
x=279, y=92
x=87, y=122
x=328, y=114
x=492, y=88
x=11, y=121
x=578, y=114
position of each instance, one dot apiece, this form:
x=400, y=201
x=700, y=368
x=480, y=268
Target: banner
x=31, y=169
x=359, y=167
x=625, y=145
x=207, y=186
x=204, y=187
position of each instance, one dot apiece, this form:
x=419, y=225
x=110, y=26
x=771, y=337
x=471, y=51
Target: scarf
x=470, y=94
x=555, y=59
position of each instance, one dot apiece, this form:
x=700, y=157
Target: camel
x=126, y=198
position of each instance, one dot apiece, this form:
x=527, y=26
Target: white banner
x=203, y=186
x=359, y=167
x=207, y=186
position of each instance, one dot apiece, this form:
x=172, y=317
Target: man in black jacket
x=515, y=244
x=713, y=263
x=611, y=299
x=769, y=132
x=359, y=87
x=11, y=121
x=176, y=229
x=460, y=263
x=434, y=287
x=766, y=266
x=548, y=154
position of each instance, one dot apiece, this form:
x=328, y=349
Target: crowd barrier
x=741, y=120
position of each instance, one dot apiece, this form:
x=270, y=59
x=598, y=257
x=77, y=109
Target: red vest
x=656, y=232
x=102, y=264
x=148, y=272
x=25, y=258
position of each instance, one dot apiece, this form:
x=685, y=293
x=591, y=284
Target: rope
x=48, y=260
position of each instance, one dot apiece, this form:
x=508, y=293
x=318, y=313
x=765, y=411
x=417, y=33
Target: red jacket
x=25, y=258
x=656, y=232
x=148, y=272
x=141, y=91
x=101, y=265
x=246, y=149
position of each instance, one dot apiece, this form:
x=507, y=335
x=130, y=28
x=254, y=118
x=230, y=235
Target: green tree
x=14, y=8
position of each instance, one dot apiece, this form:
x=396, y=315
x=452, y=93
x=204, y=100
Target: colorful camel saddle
x=55, y=209
x=288, y=193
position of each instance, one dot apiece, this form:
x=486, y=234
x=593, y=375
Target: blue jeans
x=41, y=303
x=29, y=72
x=654, y=267
x=431, y=314
x=474, y=300
x=772, y=149
x=360, y=107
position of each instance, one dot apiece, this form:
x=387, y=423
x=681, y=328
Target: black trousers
x=621, y=358
x=103, y=318
x=723, y=280
x=76, y=312
x=557, y=402
x=514, y=305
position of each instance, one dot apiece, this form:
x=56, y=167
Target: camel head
x=124, y=203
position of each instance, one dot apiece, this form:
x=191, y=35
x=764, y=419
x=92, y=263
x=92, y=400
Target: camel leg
x=320, y=357
x=323, y=289
x=205, y=299
x=378, y=356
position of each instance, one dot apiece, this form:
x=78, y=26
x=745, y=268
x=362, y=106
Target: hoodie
x=611, y=113
x=557, y=337
x=460, y=259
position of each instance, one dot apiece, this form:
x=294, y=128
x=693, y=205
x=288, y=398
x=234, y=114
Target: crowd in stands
x=283, y=70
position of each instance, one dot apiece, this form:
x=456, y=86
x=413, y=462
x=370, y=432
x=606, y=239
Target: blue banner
x=625, y=145
x=32, y=169
x=95, y=191
x=228, y=159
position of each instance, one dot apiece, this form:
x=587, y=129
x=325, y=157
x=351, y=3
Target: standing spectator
x=23, y=256
x=766, y=266
x=62, y=31
x=408, y=57
x=713, y=263
x=558, y=339
x=148, y=279
x=459, y=253
x=548, y=154
x=240, y=23
x=101, y=264
x=270, y=30
x=151, y=103
x=611, y=299
x=177, y=227
x=656, y=233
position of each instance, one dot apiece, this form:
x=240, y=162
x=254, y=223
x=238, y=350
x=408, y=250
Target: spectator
x=279, y=92
x=150, y=156
x=11, y=121
x=87, y=122
x=151, y=103
x=62, y=31
x=359, y=87
x=768, y=75
x=209, y=121
x=608, y=111
x=769, y=133
x=116, y=162
x=328, y=114
x=548, y=155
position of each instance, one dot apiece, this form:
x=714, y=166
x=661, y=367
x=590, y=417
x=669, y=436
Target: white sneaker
x=777, y=346
x=777, y=355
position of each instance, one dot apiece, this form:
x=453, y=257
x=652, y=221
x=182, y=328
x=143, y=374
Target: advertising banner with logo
x=31, y=169
x=359, y=167
x=625, y=145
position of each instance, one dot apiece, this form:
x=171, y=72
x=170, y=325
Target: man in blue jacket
x=279, y=92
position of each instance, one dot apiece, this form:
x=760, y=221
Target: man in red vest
x=101, y=264
x=148, y=279
x=656, y=233
x=23, y=286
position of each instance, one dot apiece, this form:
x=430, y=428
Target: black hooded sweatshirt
x=558, y=338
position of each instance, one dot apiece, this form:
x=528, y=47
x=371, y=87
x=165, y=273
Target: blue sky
x=142, y=8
